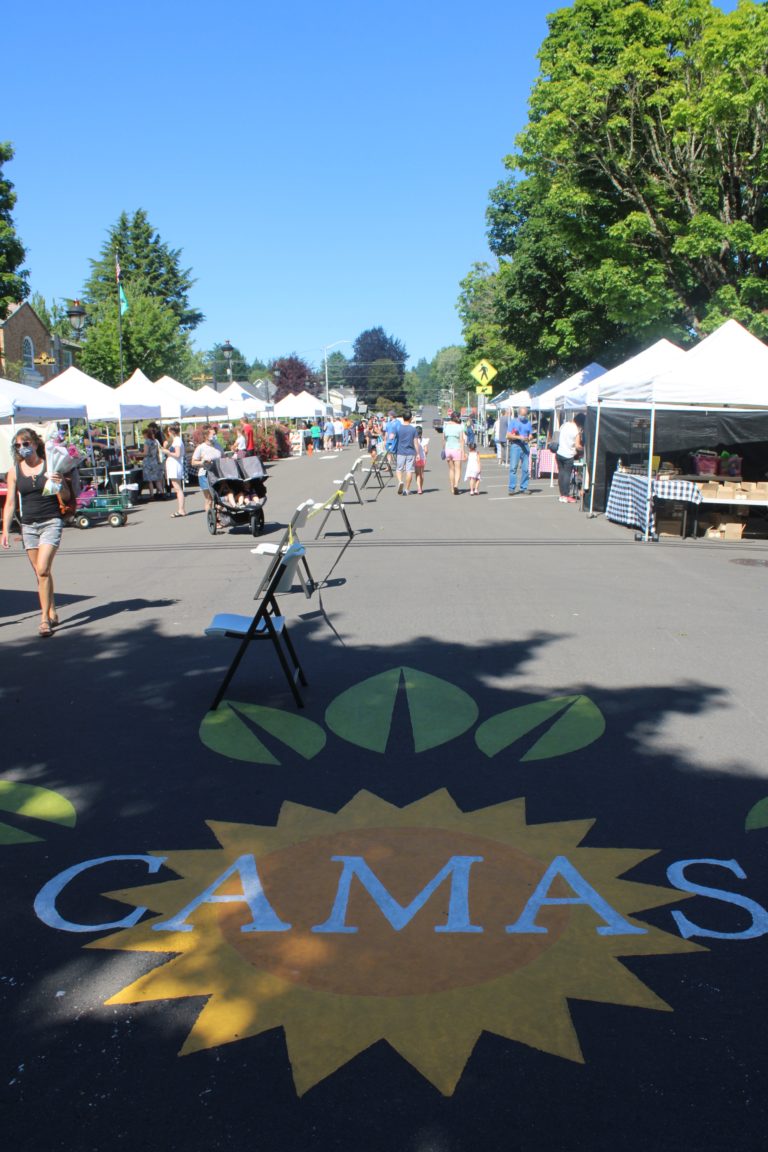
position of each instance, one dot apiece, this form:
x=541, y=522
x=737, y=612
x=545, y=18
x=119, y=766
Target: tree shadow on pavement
x=115, y=728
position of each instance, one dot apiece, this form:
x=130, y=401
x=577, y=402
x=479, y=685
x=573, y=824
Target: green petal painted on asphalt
x=226, y=732
x=757, y=817
x=508, y=727
x=363, y=714
x=439, y=711
x=9, y=835
x=580, y=724
x=36, y=803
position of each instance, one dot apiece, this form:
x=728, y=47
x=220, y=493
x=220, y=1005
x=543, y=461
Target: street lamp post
x=227, y=349
x=76, y=316
x=325, y=357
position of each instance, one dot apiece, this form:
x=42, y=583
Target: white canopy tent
x=102, y=403
x=726, y=372
x=215, y=404
x=140, y=392
x=241, y=403
x=27, y=403
x=631, y=379
x=76, y=386
x=559, y=395
x=192, y=404
x=728, y=367
x=303, y=406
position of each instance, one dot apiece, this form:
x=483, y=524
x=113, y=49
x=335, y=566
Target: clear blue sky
x=325, y=169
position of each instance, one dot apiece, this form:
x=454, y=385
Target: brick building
x=25, y=341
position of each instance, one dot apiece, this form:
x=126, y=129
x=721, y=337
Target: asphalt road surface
x=500, y=884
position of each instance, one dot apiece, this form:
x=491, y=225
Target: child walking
x=473, y=474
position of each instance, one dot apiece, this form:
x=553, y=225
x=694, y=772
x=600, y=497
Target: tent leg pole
x=593, y=477
x=648, y=535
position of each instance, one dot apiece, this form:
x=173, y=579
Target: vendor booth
x=695, y=433
x=104, y=405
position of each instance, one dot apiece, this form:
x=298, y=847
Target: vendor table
x=628, y=498
x=546, y=462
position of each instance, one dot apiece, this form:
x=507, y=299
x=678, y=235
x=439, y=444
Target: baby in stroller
x=238, y=493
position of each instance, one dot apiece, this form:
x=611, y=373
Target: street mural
x=422, y=925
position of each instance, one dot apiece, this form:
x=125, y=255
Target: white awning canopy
x=24, y=403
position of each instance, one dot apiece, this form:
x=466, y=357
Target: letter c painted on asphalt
x=45, y=901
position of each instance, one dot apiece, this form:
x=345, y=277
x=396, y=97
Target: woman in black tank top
x=41, y=518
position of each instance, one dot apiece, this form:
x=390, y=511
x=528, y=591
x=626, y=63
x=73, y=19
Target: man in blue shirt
x=406, y=447
x=390, y=432
x=519, y=435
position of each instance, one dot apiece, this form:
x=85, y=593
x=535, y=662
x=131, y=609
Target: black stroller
x=238, y=493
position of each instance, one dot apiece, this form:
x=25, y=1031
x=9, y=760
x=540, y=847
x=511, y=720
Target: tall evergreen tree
x=152, y=341
x=146, y=259
x=13, y=277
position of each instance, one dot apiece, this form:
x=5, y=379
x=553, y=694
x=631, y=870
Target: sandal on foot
x=54, y=620
x=45, y=629
x=177, y=515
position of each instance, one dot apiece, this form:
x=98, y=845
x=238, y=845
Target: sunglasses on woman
x=23, y=443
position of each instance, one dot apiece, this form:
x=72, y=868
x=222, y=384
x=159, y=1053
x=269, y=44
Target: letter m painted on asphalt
x=456, y=871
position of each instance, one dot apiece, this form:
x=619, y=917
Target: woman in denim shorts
x=41, y=517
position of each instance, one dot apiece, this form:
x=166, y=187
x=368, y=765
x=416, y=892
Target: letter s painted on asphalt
x=676, y=876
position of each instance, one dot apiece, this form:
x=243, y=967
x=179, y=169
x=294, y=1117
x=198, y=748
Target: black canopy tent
x=617, y=430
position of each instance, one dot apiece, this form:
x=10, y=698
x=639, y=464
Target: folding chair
x=382, y=463
x=335, y=504
x=277, y=551
x=353, y=480
x=266, y=624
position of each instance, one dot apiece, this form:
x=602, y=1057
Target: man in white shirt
x=568, y=447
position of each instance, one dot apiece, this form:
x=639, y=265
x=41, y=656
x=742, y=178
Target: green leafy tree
x=421, y=384
x=384, y=380
x=215, y=365
x=152, y=341
x=258, y=370
x=146, y=262
x=451, y=374
x=481, y=317
x=636, y=202
x=372, y=346
x=337, y=370
x=53, y=315
x=13, y=276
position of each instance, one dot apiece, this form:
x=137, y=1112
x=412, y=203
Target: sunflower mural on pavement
x=422, y=926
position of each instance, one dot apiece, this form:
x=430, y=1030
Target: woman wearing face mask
x=41, y=517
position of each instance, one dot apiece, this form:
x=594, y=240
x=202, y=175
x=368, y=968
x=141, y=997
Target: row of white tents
x=727, y=368
x=717, y=391
x=74, y=395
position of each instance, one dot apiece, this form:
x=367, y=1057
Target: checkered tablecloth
x=629, y=494
x=677, y=490
x=547, y=462
x=628, y=499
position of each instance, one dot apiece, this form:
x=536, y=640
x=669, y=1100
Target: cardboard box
x=727, y=491
x=668, y=526
x=734, y=530
x=710, y=490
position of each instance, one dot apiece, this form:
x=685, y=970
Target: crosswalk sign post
x=483, y=373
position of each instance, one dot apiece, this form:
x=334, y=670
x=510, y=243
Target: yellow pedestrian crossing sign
x=484, y=372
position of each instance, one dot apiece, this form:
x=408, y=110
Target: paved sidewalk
x=517, y=718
